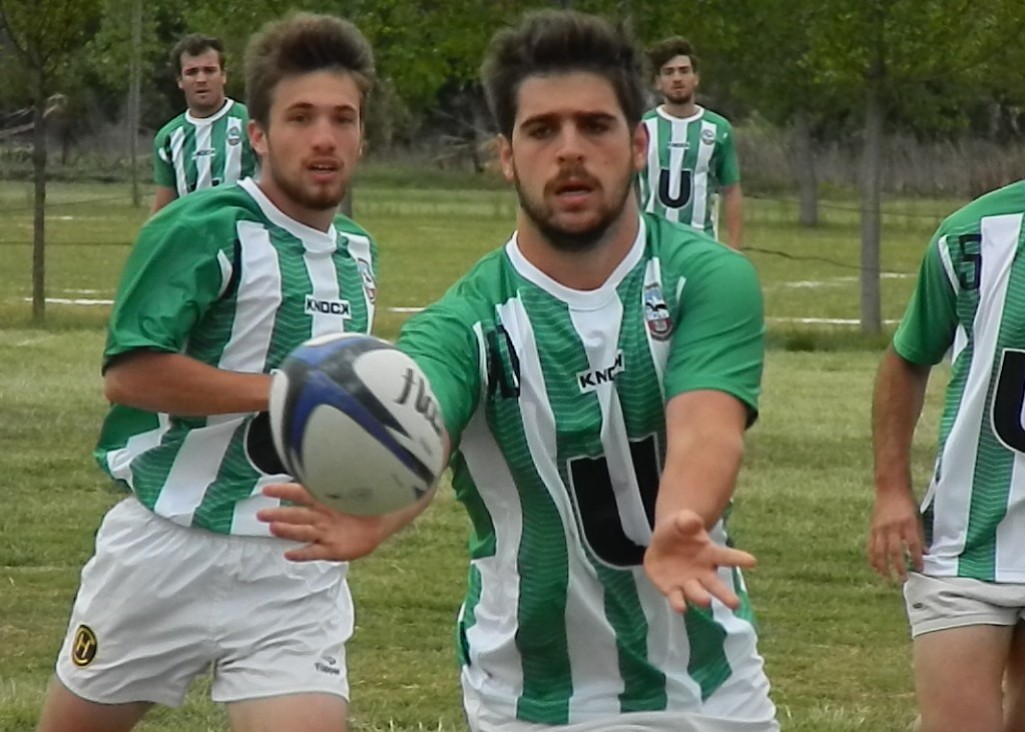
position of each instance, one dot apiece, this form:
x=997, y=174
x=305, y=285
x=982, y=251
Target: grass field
x=834, y=637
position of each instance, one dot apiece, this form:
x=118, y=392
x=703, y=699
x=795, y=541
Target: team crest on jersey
x=708, y=136
x=656, y=313
x=369, y=283
x=84, y=647
x=234, y=137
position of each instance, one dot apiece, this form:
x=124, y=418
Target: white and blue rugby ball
x=354, y=420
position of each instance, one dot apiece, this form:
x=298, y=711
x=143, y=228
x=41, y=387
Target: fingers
x=727, y=557
x=916, y=548
x=894, y=555
x=292, y=492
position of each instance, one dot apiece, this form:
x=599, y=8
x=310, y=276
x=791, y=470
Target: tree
x=883, y=49
x=43, y=36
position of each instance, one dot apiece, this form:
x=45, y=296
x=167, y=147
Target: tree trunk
x=39, y=217
x=871, y=183
x=803, y=150
x=134, y=93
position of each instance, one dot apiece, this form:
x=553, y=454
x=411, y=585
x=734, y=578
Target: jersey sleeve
x=728, y=171
x=442, y=341
x=927, y=329
x=718, y=340
x=163, y=170
x=173, y=274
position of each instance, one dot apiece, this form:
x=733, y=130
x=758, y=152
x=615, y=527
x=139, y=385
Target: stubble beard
x=568, y=240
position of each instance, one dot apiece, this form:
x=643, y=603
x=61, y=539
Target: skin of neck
x=580, y=270
x=687, y=109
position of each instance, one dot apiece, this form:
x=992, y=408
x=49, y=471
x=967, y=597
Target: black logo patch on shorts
x=83, y=650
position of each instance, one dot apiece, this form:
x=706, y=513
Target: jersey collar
x=228, y=104
x=314, y=240
x=666, y=116
x=578, y=299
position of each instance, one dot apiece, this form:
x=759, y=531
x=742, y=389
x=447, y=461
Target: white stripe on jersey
x=320, y=267
x=203, y=450
x=652, y=170
x=677, y=151
x=602, y=347
x=204, y=162
x=178, y=159
x=233, y=153
x=659, y=349
x=590, y=658
x=493, y=636
x=359, y=248
x=960, y=334
x=120, y=461
x=1010, y=542
x=951, y=507
x=703, y=198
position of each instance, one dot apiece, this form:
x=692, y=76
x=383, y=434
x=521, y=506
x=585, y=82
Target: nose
x=322, y=134
x=570, y=145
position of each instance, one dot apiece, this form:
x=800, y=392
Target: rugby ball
x=354, y=420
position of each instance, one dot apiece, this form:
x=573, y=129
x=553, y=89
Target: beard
x=315, y=198
x=560, y=237
x=679, y=97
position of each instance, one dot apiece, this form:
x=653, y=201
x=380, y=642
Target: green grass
x=834, y=637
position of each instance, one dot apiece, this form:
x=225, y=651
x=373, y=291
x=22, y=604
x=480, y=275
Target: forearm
x=896, y=407
x=733, y=207
x=176, y=384
x=161, y=198
x=703, y=457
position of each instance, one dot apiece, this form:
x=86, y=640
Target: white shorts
x=942, y=603
x=481, y=719
x=160, y=604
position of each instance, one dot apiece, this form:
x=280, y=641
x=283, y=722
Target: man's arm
x=163, y=196
x=896, y=521
x=175, y=384
x=705, y=445
x=732, y=206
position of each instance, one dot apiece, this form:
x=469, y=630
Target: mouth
x=324, y=170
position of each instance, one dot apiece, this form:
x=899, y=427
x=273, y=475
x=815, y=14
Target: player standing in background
x=965, y=593
x=207, y=144
x=185, y=579
x=692, y=160
x=596, y=375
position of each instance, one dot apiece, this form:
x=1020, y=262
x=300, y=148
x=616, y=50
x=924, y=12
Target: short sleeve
x=728, y=171
x=927, y=329
x=173, y=274
x=163, y=170
x=719, y=339
x=442, y=341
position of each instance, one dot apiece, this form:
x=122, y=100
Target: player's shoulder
x=715, y=118
x=686, y=251
x=1008, y=200
x=204, y=215
x=349, y=228
x=170, y=126
x=237, y=109
x=650, y=114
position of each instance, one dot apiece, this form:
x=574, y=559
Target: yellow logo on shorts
x=83, y=650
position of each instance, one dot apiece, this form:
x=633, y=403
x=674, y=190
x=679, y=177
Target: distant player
x=965, y=591
x=596, y=374
x=218, y=289
x=207, y=144
x=692, y=160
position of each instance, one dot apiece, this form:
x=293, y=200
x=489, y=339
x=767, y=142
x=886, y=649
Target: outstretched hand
x=326, y=533
x=682, y=562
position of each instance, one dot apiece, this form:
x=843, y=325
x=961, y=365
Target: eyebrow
x=580, y=116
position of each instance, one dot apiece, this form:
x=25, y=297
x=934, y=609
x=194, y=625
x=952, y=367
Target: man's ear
x=506, y=158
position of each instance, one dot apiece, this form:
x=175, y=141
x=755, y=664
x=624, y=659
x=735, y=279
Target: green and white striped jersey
x=555, y=403
x=689, y=160
x=971, y=296
x=225, y=277
x=192, y=153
